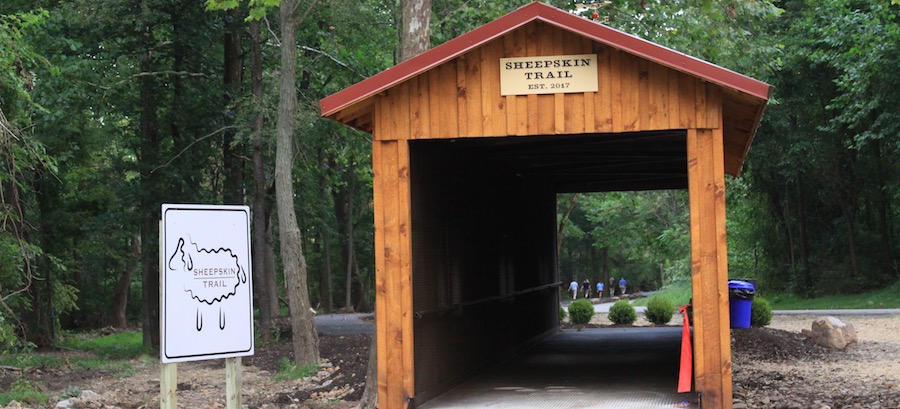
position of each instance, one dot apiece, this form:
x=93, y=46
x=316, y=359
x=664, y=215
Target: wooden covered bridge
x=472, y=141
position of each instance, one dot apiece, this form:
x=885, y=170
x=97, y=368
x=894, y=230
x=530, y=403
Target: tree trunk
x=562, y=223
x=415, y=36
x=850, y=223
x=807, y=275
x=343, y=214
x=369, y=397
x=231, y=158
x=326, y=291
x=605, y=265
x=149, y=202
x=305, y=339
x=260, y=211
x=123, y=286
x=271, y=276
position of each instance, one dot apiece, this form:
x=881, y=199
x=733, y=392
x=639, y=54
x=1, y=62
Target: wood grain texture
x=709, y=265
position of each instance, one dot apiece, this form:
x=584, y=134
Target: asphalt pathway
x=345, y=324
x=364, y=323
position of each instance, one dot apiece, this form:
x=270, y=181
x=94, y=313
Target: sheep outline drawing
x=214, y=275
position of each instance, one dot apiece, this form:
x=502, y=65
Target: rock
x=90, y=396
x=831, y=332
x=64, y=404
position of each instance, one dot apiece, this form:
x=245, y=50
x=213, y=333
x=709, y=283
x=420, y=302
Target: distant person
x=586, y=288
x=622, y=285
x=600, y=289
x=573, y=287
x=612, y=287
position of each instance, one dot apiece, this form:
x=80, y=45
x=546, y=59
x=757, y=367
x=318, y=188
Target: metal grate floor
x=605, y=368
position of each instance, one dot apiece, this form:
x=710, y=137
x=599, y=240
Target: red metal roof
x=551, y=15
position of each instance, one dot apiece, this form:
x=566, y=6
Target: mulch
x=775, y=345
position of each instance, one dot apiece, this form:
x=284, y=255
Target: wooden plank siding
x=462, y=98
x=393, y=273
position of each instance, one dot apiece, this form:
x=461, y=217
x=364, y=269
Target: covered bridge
x=472, y=141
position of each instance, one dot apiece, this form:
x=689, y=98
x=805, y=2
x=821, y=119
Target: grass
x=290, y=371
x=110, y=353
x=107, y=352
x=680, y=294
x=23, y=391
x=121, y=345
x=876, y=299
x=29, y=360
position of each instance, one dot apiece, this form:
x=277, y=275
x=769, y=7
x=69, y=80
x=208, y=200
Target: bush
x=622, y=312
x=760, y=313
x=659, y=310
x=581, y=311
x=562, y=314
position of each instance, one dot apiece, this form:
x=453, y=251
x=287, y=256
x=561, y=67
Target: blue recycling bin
x=740, y=302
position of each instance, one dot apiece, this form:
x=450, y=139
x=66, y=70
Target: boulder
x=832, y=333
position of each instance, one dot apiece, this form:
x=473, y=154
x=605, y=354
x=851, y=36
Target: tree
x=31, y=292
x=305, y=339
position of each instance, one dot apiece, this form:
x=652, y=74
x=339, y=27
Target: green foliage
x=643, y=236
x=581, y=311
x=24, y=392
x=659, y=310
x=257, y=8
x=760, y=313
x=622, y=313
x=71, y=392
x=823, y=225
x=562, y=314
x=289, y=371
x=8, y=339
x=18, y=59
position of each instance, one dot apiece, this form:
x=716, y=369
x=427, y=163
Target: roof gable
x=738, y=101
x=542, y=12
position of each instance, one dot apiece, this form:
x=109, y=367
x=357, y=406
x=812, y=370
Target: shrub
x=760, y=313
x=581, y=311
x=562, y=314
x=659, y=310
x=622, y=312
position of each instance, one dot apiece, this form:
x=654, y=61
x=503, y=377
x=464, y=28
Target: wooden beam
x=393, y=273
x=709, y=268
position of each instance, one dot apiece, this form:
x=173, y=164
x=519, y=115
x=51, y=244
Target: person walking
x=612, y=286
x=586, y=288
x=599, y=289
x=622, y=283
x=573, y=287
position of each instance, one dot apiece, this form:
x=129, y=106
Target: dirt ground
x=774, y=367
x=201, y=384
